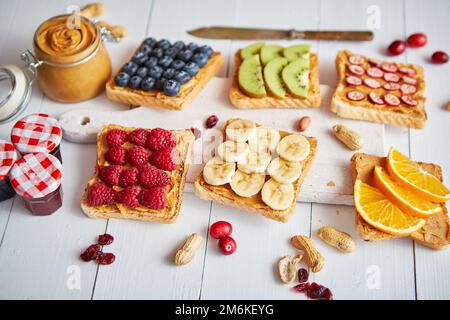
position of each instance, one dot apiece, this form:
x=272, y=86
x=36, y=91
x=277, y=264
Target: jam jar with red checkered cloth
x=37, y=177
x=8, y=157
x=37, y=133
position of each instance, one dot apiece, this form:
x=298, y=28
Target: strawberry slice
x=356, y=59
x=355, y=95
x=356, y=70
x=389, y=67
x=408, y=88
x=353, y=81
x=375, y=98
x=391, y=86
x=409, y=80
x=372, y=83
x=408, y=71
x=375, y=72
x=409, y=101
x=391, y=100
x=391, y=77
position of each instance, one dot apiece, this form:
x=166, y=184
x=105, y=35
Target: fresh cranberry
x=397, y=47
x=211, y=121
x=105, y=239
x=417, y=40
x=106, y=258
x=301, y=287
x=303, y=275
x=439, y=57
x=227, y=245
x=220, y=229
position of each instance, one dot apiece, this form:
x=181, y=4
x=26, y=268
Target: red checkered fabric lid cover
x=8, y=157
x=36, y=175
x=36, y=133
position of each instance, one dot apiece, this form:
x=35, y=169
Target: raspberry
x=116, y=137
x=151, y=176
x=137, y=156
x=138, y=137
x=105, y=258
x=129, y=177
x=100, y=194
x=160, y=139
x=153, y=198
x=105, y=239
x=116, y=155
x=128, y=196
x=165, y=159
x=110, y=174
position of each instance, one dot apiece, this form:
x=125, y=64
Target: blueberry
x=148, y=84
x=165, y=61
x=151, y=42
x=171, y=87
x=135, y=82
x=171, y=52
x=191, y=68
x=159, y=84
x=192, y=46
x=157, y=52
x=155, y=72
x=142, y=72
x=169, y=73
x=185, y=55
x=163, y=44
x=179, y=45
x=177, y=64
x=130, y=68
x=145, y=49
x=140, y=57
x=151, y=62
x=122, y=79
x=201, y=59
x=206, y=50
x=182, y=77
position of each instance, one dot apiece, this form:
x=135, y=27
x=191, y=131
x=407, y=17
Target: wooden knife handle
x=333, y=35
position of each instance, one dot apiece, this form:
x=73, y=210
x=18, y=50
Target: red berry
x=317, y=291
x=197, y=133
x=326, y=295
x=159, y=139
x=211, y=121
x=439, y=57
x=220, y=229
x=116, y=155
x=128, y=197
x=105, y=258
x=227, y=245
x=91, y=252
x=110, y=174
x=116, y=137
x=138, y=137
x=301, y=287
x=129, y=177
x=137, y=156
x=397, y=47
x=417, y=40
x=302, y=275
x=105, y=239
x=165, y=159
x=153, y=198
x=150, y=176
x=100, y=194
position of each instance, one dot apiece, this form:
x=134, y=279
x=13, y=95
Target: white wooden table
x=39, y=255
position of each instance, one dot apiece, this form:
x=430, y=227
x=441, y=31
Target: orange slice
x=411, y=176
x=381, y=213
x=406, y=200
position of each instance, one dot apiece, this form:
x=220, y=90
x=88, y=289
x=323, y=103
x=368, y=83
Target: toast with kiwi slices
x=272, y=76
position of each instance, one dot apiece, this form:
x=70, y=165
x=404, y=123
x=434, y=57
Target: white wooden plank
x=431, y=144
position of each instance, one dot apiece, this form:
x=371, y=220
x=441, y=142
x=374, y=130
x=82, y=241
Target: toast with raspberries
x=140, y=174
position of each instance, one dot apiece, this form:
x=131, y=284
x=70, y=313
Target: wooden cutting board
x=329, y=179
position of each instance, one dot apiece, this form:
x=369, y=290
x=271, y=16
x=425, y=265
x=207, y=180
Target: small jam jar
x=8, y=157
x=37, y=177
x=37, y=133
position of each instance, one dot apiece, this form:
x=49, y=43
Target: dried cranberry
x=211, y=121
x=105, y=239
x=319, y=292
x=91, y=253
x=106, y=258
x=303, y=275
x=326, y=295
x=301, y=287
x=197, y=133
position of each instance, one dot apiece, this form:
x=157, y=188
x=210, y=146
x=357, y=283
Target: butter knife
x=233, y=33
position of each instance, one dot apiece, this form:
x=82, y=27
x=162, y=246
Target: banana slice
x=265, y=139
x=240, y=130
x=247, y=185
x=217, y=172
x=231, y=151
x=284, y=171
x=294, y=147
x=255, y=162
x=278, y=196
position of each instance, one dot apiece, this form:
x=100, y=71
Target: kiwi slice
x=251, y=50
x=296, y=51
x=296, y=77
x=270, y=52
x=250, y=77
x=272, y=76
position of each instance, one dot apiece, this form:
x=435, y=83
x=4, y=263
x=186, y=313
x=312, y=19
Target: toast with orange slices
x=428, y=220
